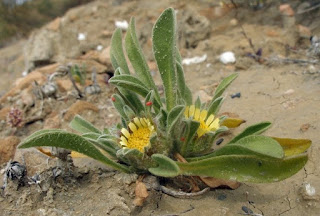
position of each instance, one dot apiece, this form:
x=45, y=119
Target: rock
x=49, y=69
x=89, y=65
x=22, y=83
x=227, y=58
x=286, y=9
x=54, y=25
x=308, y=192
x=304, y=127
x=4, y=113
x=64, y=85
x=52, y=122
x=77, y=108
x=193, y=28
x=91, y=55
x=234, y=22
x=8, y=148
x=104, y=57
x=304, y=31
x=27, y=97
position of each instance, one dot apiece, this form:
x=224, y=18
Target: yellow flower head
x=140, y=131
x=207, y=123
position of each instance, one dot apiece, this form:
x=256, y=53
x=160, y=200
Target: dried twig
x=181, y=194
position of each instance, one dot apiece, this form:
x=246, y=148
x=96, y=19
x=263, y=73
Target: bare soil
x=285, y=93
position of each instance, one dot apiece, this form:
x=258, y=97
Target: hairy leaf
x=251, y=130
x=137, y=58
x=164, y=49
x=131, y=83
x=166, y=166
x=72, y=142
x=245, y=168
x=223, y=85
x=116, y=52
x=83, y=126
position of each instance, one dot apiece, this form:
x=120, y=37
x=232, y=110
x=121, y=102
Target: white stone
x=122, y=24
x=227, y=57
x=194, y=60
x=81, y=36
x=99, y=47
x=311, y=191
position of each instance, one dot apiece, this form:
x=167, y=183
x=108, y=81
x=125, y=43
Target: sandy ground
x=287, y=94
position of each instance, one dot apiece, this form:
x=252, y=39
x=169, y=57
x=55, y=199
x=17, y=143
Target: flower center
x=139, y=139
x=139, y=135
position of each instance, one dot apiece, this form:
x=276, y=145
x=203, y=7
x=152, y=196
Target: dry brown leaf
x=141, y=193
x=214, y=182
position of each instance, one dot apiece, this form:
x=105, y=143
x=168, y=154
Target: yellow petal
x=203, y=115
x=143, y=122
x=191, y=110
x=200, y=132
x=123, y=144
x=197, y=114
x=132, y=127
x=123, y=139
x=125, y=132
x=214, y=125
x=186, y=112
x=137, y=122
x=210, y=119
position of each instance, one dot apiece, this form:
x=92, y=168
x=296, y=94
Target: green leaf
x=191, y=131
x=251, y=130
x=215, y=105
x=188, y=96
x=166, y=166
x=129, y=112
x=181, y=83
x=83, y=126
x=110, y=150
x=130, y=83
x=263, y=145
x=164, y=49
x=245, y=168
x=116, y=52
x=137, y=59
x=293, y=146
x=173, y=117
x=72, y=142
x=223, y=85
x=197, y=103
x=118, y=103
x=135, y=158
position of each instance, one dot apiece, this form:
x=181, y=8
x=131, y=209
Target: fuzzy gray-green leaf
x=245, y=168
x=164, y=49
x=137, y=58
x=72, y=142
x=116, y=52
x=118, y=103
x=83, y=126
x=223, y=85
x=251, y=130
x=173, y=116
x=166, y=166
x=215, y=106
x=131, y=83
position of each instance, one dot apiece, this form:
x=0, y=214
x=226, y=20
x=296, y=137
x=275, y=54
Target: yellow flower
x=207, y=123
x=140, y=131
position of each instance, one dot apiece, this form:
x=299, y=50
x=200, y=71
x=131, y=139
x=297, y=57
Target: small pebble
x=222, y=197
x=236, y=95
x=247, y=210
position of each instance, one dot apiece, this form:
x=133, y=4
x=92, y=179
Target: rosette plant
x=155, y=127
